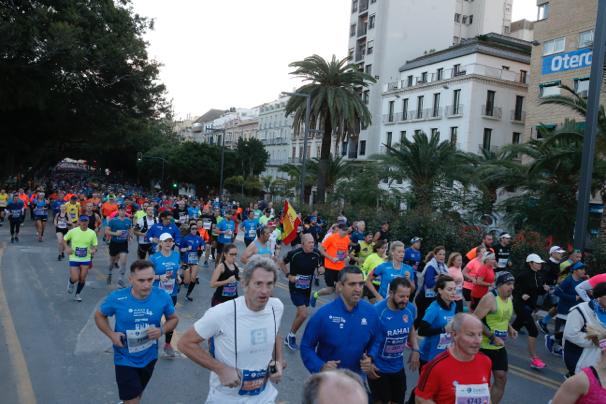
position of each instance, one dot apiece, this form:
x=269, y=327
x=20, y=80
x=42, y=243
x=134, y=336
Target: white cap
x=534, y=258
x=165, y=236
x=556, y=249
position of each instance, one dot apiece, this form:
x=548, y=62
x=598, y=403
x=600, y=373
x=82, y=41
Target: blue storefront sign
x=562, y=62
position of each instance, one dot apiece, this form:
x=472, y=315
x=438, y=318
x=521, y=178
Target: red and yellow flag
x=290, y=222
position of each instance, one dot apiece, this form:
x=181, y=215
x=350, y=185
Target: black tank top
x=230, y=291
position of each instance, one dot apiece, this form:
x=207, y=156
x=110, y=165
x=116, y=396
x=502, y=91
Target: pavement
x=52, y=352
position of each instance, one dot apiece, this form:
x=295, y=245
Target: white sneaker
x=78, y=298
x=70, y=287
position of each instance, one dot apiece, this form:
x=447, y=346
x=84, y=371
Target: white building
x=384, y=34
x=472, y=94
x=275, y=132
x=235, y=123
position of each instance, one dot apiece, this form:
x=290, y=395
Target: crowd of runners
x=391, y=303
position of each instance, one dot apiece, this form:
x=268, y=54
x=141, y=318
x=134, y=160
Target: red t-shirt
x=487, y=273
x=439, y=377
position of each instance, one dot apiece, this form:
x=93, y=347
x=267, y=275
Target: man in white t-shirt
x=244, y=332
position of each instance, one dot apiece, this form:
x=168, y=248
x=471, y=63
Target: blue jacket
x=333, y=333
x=568, y=296
x=157, y=229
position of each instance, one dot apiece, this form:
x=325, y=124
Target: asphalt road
x=52, y=352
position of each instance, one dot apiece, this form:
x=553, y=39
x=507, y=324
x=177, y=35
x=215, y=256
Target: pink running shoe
x=537, y=363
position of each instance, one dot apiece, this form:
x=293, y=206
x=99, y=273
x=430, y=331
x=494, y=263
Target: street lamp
x=141, y=157
x=222, y=130
x=593, y=108
x=305, y=135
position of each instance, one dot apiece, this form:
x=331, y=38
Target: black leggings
x=15, y=226
x=572, y=354
x=524, y=319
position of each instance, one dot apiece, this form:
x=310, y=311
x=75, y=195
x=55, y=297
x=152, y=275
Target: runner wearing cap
x=412, y=255
x=120, y=229
x=495, y=310
x=552, y=269
x=529, y=285
x=82, y=245
x=502, y=251
x=334, y=249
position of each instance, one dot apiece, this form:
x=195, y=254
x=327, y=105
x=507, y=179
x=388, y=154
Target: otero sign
x=562, y=62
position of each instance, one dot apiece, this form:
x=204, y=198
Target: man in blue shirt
x=397, y=316
x=225, y=230
x=138, y=311
x=412, y=255
x=340, y=333
x=16, y=215
x=120, y=229
x=250, y=228
x=165, y=226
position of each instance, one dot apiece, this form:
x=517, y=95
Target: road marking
x=25, y=390
x=545, y=381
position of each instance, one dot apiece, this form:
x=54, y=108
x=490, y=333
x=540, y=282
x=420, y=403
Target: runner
x=16, y=216
x=61, y=222
x=138, y=311
x=362, y=249
x=461, y=374
x=120, y=229
x=164, y=226
x=495, y=310
x=3, y=204
x=250, y=228
x=502, y=251
x=73, y=210
x=190, y=245
x=434, y=267
x=470, y=272
x=40, y=206
x=455, y=260
x=334, y=249
x=247, y=352
x=390, y=270
x=82, y=245
x=412, y=255
x=94, y=220
x=260, y=246
x=303, y=263
x=370, y=263
x=383, y=233
x=143, y=225
x=588, y=285
x=225, y=230
x=552, y=269
x=574, y=257
x=166, y=266
x=225, y=277
x=396, y=315
x=487, y=241
x=484, y=278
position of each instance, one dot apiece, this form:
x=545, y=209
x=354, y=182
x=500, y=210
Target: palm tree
x=336, y=169
x=335, y=88
x=426, y=163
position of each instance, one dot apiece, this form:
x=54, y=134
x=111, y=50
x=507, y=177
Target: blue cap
x=84, y=218
x=578, y=265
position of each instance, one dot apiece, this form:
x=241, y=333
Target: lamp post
x=141, y=157
x=222, y=130
x=593, y=108
x=305, y=135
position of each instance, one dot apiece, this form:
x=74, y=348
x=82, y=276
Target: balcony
x=362, y=29
x=363, y=6
x=390, y=119
x=491, y=112
x=518, y=117
x=433, y=113
x=403, y=116
x=454, y=111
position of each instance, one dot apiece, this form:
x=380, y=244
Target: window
x=523, y=76
x=390, y=111
x=352, y=30
x=369, y=47
x=405, y=109
x=350, y=54
x=420, y=107
x=368, y=69
x=543, y=11
x=457, y=17
x=388, y=142
x=294, y=152
x=418, y=132
x=436, y=105
x=515, y=138
x=365, y=96
x=549, y=89
x=434, y=131
x=464, y=19
x=371, y=21
x=586, y=39
x=486, y=139
x=362, y=147
x=440, y=74
x=409, y=81
x=505, y=67
x=354, y=6
x=454, y=134
x=517, y=113
x=456, y=70
x=344, y=149
x=424, y=77
x=489, y=109
x=581, y=87
x=402, y=136
x=554, y=46
x=456, y=100
x=470, y=19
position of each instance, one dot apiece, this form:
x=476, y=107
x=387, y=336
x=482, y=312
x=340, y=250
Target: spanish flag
x=290, y=222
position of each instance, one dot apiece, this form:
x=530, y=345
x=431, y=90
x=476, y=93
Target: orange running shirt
x=336, y=246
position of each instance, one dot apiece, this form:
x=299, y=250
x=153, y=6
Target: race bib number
x=61, y=224
x=182, y=218
x=207, y=224
x=137, y=340
x=252, y=233
x=472, y=394
x=394, y=347
x=430, y=293
x=501, y=334
x=444, y=341
x=502, y=262
x=39, y=212
x=72, y=216
x=253, y=382
x=230, y=290
x=192, y=258
x=168, y=285
x=16, y=213
x=341, y=254
x=303, y=282
x=81, y=252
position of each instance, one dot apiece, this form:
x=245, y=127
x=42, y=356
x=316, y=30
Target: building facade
x=561, y=56
x=275, y=132
x=384, y=34
x=472, y=94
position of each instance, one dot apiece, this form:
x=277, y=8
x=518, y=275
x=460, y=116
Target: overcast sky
x=235, y=53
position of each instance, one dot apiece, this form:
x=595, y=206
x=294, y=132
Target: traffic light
x=174, y=185
x=139, y=156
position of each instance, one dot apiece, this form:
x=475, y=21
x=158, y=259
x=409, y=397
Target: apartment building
x=473, y=94
x=234, y=123
x=275, y=132
x=562, y=53
x=384, y=34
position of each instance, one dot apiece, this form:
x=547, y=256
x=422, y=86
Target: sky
x=235, y=53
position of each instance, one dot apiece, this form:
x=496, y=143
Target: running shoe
x=77, y=297
x=16, y=239
x=536, y=363
x=70, y=287
x=109, y=279
x=169, y=351
x=188, y=297
x=558, y=350
x=12, y=240
x=59, y=257
x=62, y=255
x=291, y=342
x=549, y=341
x=542, y=326
x=313, y=299
x=121, y=283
